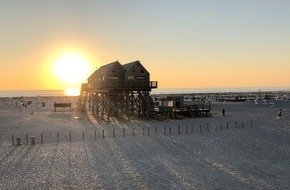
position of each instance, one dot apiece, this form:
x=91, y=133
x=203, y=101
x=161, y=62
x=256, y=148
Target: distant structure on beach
x=116, y=89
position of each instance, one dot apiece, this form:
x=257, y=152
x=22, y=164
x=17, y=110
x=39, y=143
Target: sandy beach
x=248, y=148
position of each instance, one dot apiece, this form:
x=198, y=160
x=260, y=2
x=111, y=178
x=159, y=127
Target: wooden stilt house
x=116, y=89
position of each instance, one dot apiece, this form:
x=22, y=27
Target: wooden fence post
x=18, y=141
x=103, y=133
x=12, y=139
x=179, y=129
x=41, y=138
x=57, y=136
x=32, y=140
x=69, y=136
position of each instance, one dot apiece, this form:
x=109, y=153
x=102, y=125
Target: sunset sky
x=183, y=44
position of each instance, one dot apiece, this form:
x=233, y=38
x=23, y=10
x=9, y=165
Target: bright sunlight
x=72, y=69
x=72, y=91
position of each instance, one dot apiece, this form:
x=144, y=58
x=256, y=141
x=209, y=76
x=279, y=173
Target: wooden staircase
x=83, y=97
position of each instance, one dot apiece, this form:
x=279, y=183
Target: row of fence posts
x=33, y=138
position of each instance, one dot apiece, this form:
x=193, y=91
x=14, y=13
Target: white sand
x=236, y=158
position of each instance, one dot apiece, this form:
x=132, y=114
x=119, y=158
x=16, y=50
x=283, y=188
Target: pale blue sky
x=236, y=43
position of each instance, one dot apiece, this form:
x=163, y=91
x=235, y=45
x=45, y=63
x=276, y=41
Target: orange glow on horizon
x=72, y=92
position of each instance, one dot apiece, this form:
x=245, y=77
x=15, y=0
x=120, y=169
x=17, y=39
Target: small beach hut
x=178, y=101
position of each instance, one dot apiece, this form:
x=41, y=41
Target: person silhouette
x=223, y=112
x=280, y=114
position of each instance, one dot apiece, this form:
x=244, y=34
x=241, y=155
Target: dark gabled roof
x=128, y=66
x=92, y=75
x=104, y=69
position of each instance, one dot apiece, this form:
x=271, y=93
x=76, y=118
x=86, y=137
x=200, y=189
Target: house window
x=114, y=78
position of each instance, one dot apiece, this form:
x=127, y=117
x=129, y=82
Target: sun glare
x=71, y=68
x=72, y=92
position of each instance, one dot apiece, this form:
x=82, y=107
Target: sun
x=71, y=70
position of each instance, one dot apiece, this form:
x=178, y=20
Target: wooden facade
x=136, y=76
x=116, y=89
x=110, y=76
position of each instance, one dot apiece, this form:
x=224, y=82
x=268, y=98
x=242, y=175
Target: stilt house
x=116, y=89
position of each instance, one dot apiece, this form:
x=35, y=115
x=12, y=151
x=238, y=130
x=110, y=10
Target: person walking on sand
x=280, y=114
x=223, y=112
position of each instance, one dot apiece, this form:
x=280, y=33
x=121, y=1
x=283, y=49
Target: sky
x=183, y=44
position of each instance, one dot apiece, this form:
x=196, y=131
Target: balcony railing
x=120, y=85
